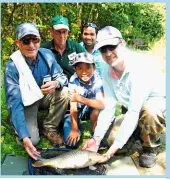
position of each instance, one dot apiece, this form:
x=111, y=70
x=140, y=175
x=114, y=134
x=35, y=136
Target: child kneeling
x=86, y=99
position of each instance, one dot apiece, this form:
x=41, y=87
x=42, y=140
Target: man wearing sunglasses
x=89, y=34
x=132, y=80
x=63, y=49
x=34, y=80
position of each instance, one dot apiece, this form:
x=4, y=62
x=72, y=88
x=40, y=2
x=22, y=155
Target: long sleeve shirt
x=45, y=64
x=139, y=83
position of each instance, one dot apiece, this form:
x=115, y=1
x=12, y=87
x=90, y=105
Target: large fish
x=73, y=159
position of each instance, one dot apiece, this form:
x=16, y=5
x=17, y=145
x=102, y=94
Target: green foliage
x=145, y=21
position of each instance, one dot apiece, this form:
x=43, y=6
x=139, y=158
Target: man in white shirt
x=132, y=80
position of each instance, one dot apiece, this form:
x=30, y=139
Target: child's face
x=84, y=71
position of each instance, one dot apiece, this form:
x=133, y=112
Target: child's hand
x=73, y=137
x=74, y=95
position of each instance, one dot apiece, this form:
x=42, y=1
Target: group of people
x=81, y=81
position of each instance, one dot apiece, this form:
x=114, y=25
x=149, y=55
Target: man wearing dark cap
x=34, y=80
x=133, y=80
x=63, y=49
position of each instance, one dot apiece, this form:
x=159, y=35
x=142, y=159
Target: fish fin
x=92, y=167
x=39, y=158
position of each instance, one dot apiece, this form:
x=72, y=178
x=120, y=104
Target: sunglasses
x=27, y=41
x=88, y=24
x=108, y=47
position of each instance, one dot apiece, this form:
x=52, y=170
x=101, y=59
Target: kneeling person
x=26, y=93
x=87, y=98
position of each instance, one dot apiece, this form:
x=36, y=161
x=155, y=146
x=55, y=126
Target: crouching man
x=33, y=79
x=132, y=80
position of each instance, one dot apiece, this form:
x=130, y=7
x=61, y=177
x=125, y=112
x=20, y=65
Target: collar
x=31, y=62
x=52, y=47
x=113, y=74
x=93, y=51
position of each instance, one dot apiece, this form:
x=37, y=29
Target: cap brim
x=78, y=61
x=113, y=41
x=29, y=33
x=60, y=26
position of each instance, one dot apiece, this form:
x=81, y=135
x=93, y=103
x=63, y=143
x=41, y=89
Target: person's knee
x=149, y=122
x=35, y=140
x=61, y=96
x=65, y=92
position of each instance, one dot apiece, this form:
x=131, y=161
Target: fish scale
x=72, y=160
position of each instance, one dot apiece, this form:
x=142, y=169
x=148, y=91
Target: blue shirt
x=99, y=62
x=86, y=90
x=45, y=64
x=140, y=82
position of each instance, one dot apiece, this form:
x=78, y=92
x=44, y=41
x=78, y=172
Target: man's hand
x=73, y=137
x=91, y=145
x=31, y=150
x=49, y=87
x=112, y=150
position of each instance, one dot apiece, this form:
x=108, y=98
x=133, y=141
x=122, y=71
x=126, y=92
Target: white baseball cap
x=26, y=28
x=108, y=36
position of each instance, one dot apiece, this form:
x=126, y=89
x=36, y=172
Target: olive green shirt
x=66, y=59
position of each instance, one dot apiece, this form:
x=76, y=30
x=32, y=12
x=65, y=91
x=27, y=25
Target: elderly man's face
x=29, y=46
x=60, y=36
x=89, y=36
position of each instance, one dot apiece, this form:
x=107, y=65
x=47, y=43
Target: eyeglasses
x=108, y=47
x=27, y=41
x=88, y=24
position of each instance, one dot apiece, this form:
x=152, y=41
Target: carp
x=73, y=159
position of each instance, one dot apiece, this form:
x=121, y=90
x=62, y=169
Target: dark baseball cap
x=83, y=57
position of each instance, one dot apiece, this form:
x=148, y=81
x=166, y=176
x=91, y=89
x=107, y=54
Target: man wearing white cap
x=34, y=80
x=63, y=49
x=132, y=80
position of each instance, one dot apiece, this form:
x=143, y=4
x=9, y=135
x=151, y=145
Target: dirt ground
x=158, y=169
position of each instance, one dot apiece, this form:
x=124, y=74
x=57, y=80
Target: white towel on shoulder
x=30, y=91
